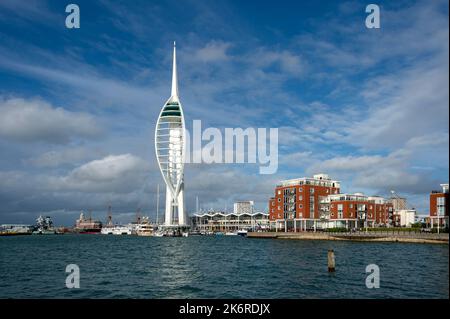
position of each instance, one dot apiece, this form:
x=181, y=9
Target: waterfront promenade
x=379, y=236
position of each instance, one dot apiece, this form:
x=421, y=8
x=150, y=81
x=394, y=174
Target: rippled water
x=216, y=267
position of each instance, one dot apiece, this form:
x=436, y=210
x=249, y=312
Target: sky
x=78, y=107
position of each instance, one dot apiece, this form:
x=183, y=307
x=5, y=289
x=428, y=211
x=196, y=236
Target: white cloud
x=55, y=158
x=213, y=51
x=287, y=61
x=36, y=120
x=111, y=173
x=407, y=105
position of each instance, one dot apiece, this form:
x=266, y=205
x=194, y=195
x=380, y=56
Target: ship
x=121, y=230
x=85, y=225
x=44, y=226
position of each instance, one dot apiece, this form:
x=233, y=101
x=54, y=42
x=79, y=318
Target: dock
x=398, y=237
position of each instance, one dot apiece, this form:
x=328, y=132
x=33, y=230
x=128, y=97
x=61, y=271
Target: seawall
x=423, y=238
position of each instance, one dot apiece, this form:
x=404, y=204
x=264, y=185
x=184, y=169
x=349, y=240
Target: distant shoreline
x=359, y=237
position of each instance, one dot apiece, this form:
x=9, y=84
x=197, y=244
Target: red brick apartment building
x=439, y=206
x=308, y=203
x=357, y=210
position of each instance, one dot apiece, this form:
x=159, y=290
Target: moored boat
x=145, y=228
x=242, y=232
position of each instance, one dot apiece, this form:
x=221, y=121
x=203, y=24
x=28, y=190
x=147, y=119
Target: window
x=279, y=192
x=300, y=197
x=301, y=189
x=279, y=199
x=440, y=206
x=311, y=190
x=340, y=208
x=300, y=206
x=351, y=205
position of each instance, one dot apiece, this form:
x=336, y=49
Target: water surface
x=216, y=267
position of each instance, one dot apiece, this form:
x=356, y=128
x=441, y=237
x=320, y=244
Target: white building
x=407, y=217
x=229, y=222
x=170, y=143
x=243, y=207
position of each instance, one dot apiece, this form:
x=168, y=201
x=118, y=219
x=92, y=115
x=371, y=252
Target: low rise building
x=405, y=217
x=301, y=202
x=15, y=229
x=358, y=210
x=439, y=207
x=311, y=203
x=214, y=221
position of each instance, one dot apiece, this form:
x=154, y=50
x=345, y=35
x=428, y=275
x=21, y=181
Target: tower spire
x=174, y=92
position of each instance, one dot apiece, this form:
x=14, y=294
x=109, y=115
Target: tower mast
x=169, y=146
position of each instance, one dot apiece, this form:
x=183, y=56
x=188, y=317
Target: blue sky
x=370, y=107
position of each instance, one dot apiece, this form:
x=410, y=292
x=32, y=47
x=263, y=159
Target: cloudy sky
x=78, y=107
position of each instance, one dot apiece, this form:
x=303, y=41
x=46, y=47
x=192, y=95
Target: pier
x=399, y=237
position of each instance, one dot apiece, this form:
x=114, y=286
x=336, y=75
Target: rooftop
x=317, y=180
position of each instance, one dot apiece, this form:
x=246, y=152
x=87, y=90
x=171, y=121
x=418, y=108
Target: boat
x=121, y=230
x=145, y=228
x=107, y=230
x=231, y=234
x=242, y=232
x=44, y=226
x=185, y=234
x=173, y=234
x=44, y=232
x=87, y=225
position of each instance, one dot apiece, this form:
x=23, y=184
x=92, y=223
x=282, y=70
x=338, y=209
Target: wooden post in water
x=331, y=261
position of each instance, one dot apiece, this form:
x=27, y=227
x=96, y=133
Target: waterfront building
x=439, y=206
x=302, y=201
x=312, y=203
x=214, y=221
x=404, y=217
x=170, y=151
x=243, y=207
x=358, y=210
x=398, y=203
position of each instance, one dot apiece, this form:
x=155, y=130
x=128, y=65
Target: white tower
x=170, y=149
